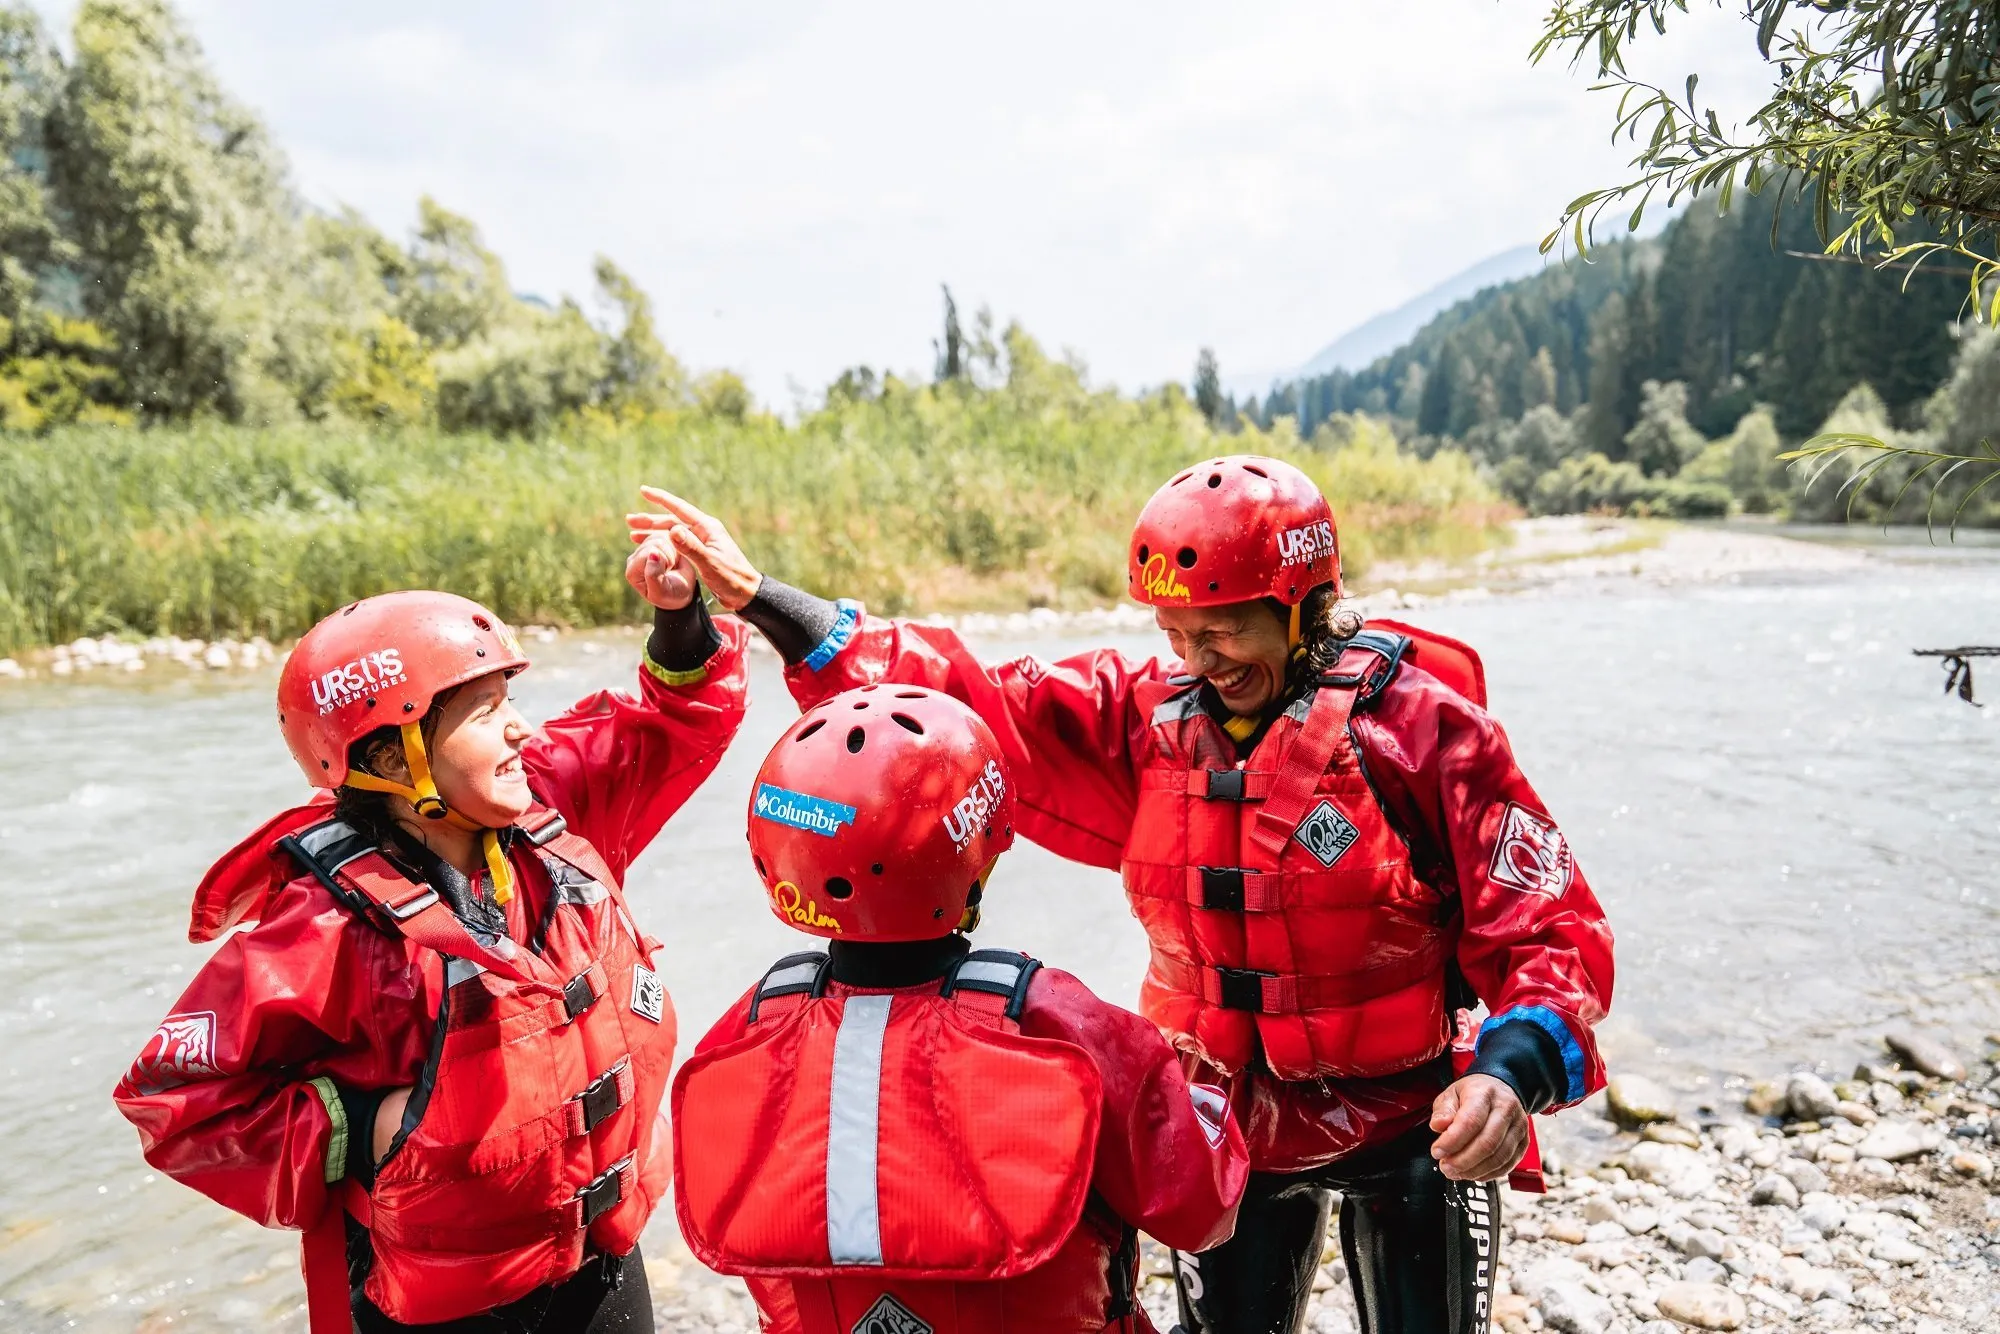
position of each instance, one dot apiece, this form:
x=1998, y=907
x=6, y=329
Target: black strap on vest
x=1388, y=648
x=996, y=972
x=805, y=974
x=321, y=850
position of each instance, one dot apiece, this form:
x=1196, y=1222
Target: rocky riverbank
x=1813, y=1204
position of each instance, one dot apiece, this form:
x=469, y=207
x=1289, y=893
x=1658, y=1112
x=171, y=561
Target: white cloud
x=792, y=181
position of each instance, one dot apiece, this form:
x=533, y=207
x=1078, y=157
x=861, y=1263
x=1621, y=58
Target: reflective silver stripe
x=1175, y=708
x=798, y=975
x=580, y=892
x=990, y=970
x=853, y=1215
x=458, y=970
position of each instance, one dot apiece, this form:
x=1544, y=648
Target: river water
x=1794, y=834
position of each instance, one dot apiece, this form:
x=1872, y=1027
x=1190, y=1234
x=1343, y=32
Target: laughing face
x=476, y=754
x=1239, y=648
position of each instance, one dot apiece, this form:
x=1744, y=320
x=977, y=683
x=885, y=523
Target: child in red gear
x=905, y=1134
x=334, y=1068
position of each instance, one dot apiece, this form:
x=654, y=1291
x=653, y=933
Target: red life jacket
x=1282, y=909
x=538, y=1112
x=901, y=1163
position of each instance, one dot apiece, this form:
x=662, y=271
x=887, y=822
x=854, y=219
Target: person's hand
x=388, y=1120
x=701, y=540
x=660, y=574
x=1482, y=1129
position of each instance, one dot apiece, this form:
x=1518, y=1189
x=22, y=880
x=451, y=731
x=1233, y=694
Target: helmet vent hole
x=1214, y=480
x=876, y=869
x=839, y=888
x=907, y=723
x=860, y=703
x=1214, y=587
x=856, y=739
x=810, y=728
x=1182, y=478
x=1256, y=471
x=1144, y=553
x=482, y=622
x=909, y=694
x=1186, y=558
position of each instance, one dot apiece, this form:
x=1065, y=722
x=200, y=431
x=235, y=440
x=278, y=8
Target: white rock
x=1680, y=1170
x=1878, y=1169
x=1897, y=1251
x=1635, y=1100
x=1703, y=1305
x=1575, y=1309
x=1701, y=1269
x=1532, y=1280
x=11, y=669
x=1803, y=1280
x=1822, y=1213
x=1775, y=1189
x=1810, y=1097
x=1893, y=1142
x=1640, y=1220
x=216, y=658
x=1802, y=1174
x=1600, y=1209
x=1610, y=1230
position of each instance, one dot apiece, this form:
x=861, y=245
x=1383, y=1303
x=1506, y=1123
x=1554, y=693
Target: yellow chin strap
x=968, y=920
x=1293, y=640
x=422, y=794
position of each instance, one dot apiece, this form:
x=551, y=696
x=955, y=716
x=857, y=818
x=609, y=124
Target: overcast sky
x=792, y=180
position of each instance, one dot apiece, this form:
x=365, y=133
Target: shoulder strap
x=544, y=827
x=1369, y=662
x=1302, y=764
x=1003, y=973
x=803, y=974
x=322, y=850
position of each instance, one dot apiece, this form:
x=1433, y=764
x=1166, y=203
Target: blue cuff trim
x=844, y=626
x=1554, y=1025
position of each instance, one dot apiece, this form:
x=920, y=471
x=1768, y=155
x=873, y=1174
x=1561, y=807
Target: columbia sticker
x=800, y=810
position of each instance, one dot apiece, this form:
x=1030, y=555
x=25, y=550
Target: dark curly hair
x=373, y=814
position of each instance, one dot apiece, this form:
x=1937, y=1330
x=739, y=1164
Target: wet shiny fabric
x=1420, y=1250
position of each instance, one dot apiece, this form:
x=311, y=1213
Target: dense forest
x=1664, y=374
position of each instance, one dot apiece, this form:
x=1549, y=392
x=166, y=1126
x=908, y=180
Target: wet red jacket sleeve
x=1068, y=729
x=618, y=765
x=1165, y=1165
x=1535, y=944
x=222, y=1093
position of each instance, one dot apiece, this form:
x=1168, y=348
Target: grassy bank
x=931, y=498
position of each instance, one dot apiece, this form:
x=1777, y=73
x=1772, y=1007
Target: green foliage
x=933, y=496
x=1883, y=110
x=54, y=371
x=1661, y=442
x=1208, y=386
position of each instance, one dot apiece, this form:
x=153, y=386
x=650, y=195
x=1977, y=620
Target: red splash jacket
x=1024, y=1134
x=1096, y=739
x=237, y=1096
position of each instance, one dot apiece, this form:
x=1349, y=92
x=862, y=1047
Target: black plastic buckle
x=1222, y=887
x=1225, y=785
x=601, y=1196
x=1242, y=989
x=577, y=995
x=600, y=1100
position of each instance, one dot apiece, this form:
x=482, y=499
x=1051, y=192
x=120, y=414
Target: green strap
x=336, y=1144
x=668, y=677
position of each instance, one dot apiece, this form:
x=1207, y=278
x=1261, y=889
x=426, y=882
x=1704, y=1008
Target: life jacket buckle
x=1224, y=785
x=1242, y=989
x=577, y=993
x=411, y=906
x=600, y=1099
x=602, y=1195
x=547, y=830
x=1222, y=888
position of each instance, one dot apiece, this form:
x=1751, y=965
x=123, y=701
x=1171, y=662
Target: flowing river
x=1794, y=834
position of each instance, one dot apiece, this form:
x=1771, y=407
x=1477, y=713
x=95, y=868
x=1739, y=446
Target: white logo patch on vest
x=1326, y=834
x=1531, y=854
x=889, y=1316
x=649, y=998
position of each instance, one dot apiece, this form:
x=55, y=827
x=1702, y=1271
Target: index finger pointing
x=677, y=507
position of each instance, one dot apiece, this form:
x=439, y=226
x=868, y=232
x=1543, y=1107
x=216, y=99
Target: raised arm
x=618, y=764
x=1068, y=728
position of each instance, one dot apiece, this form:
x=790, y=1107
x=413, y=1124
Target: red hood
x=242, y=879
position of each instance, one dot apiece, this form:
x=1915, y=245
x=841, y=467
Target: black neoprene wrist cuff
x=685, y=638
x=794, y=620
x=1526, y=1059
x=360, y=1106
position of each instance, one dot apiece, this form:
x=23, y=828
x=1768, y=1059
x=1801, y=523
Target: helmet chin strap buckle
x=431, y=806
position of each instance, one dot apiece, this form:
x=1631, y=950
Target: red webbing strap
x=323, y=1260
x=431, y=924
x=578, y=852
x=1294, y=993
x=1257, y=783
x=814, y=1299
x=1299, y=772
x=986, y=1009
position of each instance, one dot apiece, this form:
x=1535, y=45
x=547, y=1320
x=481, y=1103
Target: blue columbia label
x=801, y=810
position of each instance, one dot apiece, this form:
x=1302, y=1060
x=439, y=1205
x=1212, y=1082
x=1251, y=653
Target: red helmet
x=380, y=662
x=1231, y=530
x=876, y=814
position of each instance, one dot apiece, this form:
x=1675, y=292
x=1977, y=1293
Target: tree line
x=1665, y=375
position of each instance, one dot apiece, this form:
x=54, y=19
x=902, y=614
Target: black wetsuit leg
x=607, y=1296
x=1420, y=1249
